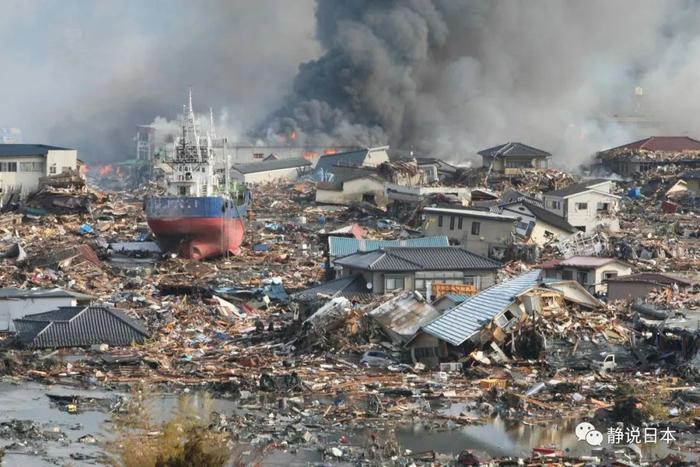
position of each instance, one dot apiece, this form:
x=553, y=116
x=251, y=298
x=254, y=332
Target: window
x=439, y=221
x=8, y=166
x=555, y=204
x=581, y=206
x=603, y=207
x=65, y=169
x=52, y=169
x=582, y=277
x=393, y=283
x=452, y=222
x=425, y=352
x=459, y=224
x=183, y=190
x=567, y=275
x=519, y=164
x=609, y=274
x=31, y=166
x=476, y=228
x=522, y=225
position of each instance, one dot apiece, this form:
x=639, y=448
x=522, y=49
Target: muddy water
x=28, y=401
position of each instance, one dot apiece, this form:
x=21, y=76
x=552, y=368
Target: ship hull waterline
x=197, y=227
x=199, y=238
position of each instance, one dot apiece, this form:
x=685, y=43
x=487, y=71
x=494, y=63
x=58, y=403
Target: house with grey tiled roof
x=418, y=268
x=79, y=326
x=511, y=158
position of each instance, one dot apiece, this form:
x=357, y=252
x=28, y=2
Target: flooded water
x=29, y=401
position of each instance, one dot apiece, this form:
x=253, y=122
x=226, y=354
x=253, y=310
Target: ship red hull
x=199, y=237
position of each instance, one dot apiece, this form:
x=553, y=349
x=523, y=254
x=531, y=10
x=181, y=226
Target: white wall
x=266, y=176
x=589, y=216
x=28, y=179
x=353, y=191
x=17, y=308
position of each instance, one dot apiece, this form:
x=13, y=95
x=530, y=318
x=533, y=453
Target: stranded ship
x=199, y=216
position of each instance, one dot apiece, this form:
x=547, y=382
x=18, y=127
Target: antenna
x=212, y=132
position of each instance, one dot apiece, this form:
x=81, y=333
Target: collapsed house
x=592, y=272
x=494, y=319
x=270, y=170
x=536, y=224
x=649, y=153
x=640, y=285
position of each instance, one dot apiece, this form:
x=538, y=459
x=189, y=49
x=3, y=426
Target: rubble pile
x=231, y=326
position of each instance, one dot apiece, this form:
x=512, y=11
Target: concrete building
x=535, y=224
x=650, y=153
x=481, y=232
x=270, y=170
x=592, y=272
x=417, y=268
x=639, y=285
x=326, y=165
x=511, y=158
x=586, y=205
x=22, y=165
x=16, y=303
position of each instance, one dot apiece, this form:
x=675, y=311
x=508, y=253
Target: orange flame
x=330, y=151
x=105, y=170
x=293, y=135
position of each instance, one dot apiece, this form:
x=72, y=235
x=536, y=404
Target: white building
x=586, y=205
x=270, y=170
x=21, y=165
x=536, y=224
x=17, y=303
x=592, y=272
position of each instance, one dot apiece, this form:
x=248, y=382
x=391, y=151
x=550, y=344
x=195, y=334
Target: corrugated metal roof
x=24, y=150
x=79, y=327
x=254, y=167
x=466, y=319
x=343, y=246
x=418, y=259
x=514, y=150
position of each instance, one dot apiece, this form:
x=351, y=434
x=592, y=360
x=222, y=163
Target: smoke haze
x=445, y=77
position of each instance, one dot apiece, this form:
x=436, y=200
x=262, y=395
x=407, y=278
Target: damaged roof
x=652, y=278
x=343, y=246
x=271, y=164
x=577, y=188
x=11, y=293
x=514, y=149
x=79, y=327
x=418, y=259
x=347, y=287
x=661, y=143
x=466, y=319
x=548, y=217
x=402, y=316
x=588, y=262
x=328, y=162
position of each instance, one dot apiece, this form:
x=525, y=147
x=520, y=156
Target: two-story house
x=592, y=272
x=586, y=205
x=482, y=232
x=418, y=268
